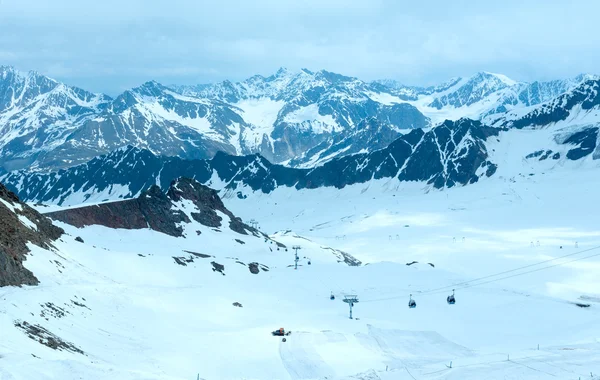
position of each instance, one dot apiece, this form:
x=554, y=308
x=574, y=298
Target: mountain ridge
x=451, y=154
x=301, y=119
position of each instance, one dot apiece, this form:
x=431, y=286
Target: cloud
x=110, y=44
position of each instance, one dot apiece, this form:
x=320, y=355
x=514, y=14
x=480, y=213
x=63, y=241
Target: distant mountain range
x=299, y=119
x=46, y=124
x=453, y=153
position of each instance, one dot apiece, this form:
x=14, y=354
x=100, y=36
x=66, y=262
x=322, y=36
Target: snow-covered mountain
x=46, y=124
x=580, y=105
x=38, y=114
x=303, y=116
x=300, y=119
x=453, y=153
x=450, y=154
x=483, y=96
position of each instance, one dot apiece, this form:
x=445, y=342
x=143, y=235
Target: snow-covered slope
x=140, y=304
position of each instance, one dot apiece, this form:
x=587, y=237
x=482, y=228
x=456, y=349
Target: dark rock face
x=208, y=202
x=253, y=268
x=542, y=155
x=256, y=267
x=218, y=267
x=453, y=153
x=585, y=142
x=152, y=209
x=19, y=225
x=155, y=210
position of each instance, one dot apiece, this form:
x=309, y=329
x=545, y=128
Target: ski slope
x=147, y=317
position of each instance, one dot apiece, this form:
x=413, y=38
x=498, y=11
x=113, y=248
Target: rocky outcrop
x=158, y=211
x=19, y=225
x=207, y=202
x=152, y=210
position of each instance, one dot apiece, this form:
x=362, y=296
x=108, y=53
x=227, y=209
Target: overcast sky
x=111, y=45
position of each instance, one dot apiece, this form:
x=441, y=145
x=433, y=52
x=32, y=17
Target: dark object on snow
x=583, y=304
x=218, y=267
x=284, y=340
x=450, y=299
x=202, y=255
x=309, y=262
x=332, y=297
x=253, y=268
x=79, y=239
x=45, y=337
x=183, y=260
x=433, y=266
x=411, y=303
x=237, y=304
x=281, y=332
x=414, y=262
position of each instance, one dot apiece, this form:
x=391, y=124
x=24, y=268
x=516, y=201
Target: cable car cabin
x=450, y=299
x=411, y=303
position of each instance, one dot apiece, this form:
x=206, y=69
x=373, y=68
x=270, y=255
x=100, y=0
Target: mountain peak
x=150, y=88
x=333, y=77
x=282, y=71
x=7, y=69
x=503, y=78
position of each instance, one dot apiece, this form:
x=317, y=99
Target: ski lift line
x=494, y=280
x=532, y=271
x=510, y=270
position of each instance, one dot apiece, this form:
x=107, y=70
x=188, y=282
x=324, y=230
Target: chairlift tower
x=296, y=258
x=351, y=300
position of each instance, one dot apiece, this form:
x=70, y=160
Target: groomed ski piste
x=135, y=313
